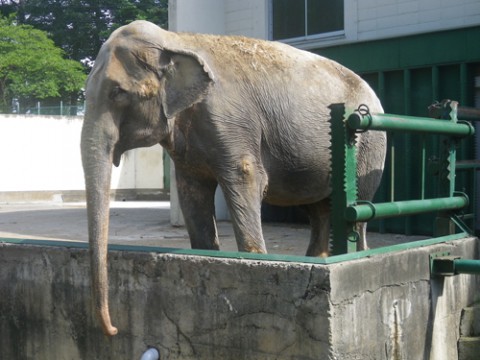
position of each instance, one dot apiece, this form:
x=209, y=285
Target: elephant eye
x=118, y=94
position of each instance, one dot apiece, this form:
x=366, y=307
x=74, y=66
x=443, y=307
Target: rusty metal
x=441, y=110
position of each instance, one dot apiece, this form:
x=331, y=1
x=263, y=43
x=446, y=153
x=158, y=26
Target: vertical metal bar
x=446, y=177
x=423, y=165
x=306, y=18
x=392, y=167
x=452, y=156
x=61, y=107
x=463, y=84
x=344, y=187
x=476, y=183
x=464, y=90
x=407, y=91
x=381, y=94
x=435, y=83
x=381, y=85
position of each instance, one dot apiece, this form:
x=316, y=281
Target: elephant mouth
x=117, y=156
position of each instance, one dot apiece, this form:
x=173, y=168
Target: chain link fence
x=41, y=109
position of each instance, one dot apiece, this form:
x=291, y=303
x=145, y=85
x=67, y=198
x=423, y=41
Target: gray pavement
x=147, y=223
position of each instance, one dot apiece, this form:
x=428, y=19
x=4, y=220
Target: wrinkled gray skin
x=250, y=116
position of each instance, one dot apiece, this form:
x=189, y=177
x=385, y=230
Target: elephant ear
x=186, y=80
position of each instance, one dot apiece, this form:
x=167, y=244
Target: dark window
x=302, y=18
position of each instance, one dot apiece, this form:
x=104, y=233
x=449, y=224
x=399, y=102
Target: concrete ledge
x=199, y=307
x=79, y=195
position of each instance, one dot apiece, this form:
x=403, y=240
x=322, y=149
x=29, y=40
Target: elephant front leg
x=243, y=190
x=196, y=197
x=362, y=230
x=246, y=220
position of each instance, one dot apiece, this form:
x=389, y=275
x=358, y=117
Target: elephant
x=251, y=116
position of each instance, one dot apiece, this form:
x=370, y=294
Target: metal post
x=344, y=185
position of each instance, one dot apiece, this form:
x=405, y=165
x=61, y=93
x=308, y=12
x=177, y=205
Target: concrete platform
x=194, y=305
x=148, y=223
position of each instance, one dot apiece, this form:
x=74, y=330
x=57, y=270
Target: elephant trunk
x=97, y=148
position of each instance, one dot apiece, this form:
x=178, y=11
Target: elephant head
x=141, y=79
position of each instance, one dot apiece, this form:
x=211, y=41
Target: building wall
x=42, y=153
x=207, y=16
x=392, y=18
x=220, y=17
x=364, y=19
x=246, y=18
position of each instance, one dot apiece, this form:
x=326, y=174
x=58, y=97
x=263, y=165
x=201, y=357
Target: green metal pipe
x=447, y=265
x=369, y=211
x=466, y=266
x=408, y=123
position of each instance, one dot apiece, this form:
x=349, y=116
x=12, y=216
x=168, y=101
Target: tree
x=33, y=68
x=80, y=27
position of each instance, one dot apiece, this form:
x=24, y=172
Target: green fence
x=347, y=209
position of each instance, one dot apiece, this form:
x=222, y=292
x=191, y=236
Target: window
x=304, y=19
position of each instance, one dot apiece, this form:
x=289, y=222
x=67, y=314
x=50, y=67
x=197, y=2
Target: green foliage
x=80, y=27
x=33, y=68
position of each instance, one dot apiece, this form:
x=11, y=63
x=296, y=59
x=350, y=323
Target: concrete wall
x=197, y=307
x=42, y=154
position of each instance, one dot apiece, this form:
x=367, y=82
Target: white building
x=353, y=20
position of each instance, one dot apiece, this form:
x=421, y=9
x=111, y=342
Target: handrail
x=390, y=122
x=347, y=209
x=368, y=211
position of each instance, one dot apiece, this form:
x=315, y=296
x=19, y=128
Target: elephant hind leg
x=319, y=215
x=196, y=198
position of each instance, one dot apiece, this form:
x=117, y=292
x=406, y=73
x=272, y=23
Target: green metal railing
x=347, y=209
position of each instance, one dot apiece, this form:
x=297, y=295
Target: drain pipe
x=151, y=354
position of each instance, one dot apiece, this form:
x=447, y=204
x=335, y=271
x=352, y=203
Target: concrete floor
x=148, y=223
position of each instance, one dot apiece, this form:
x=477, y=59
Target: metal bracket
x=442, y=264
